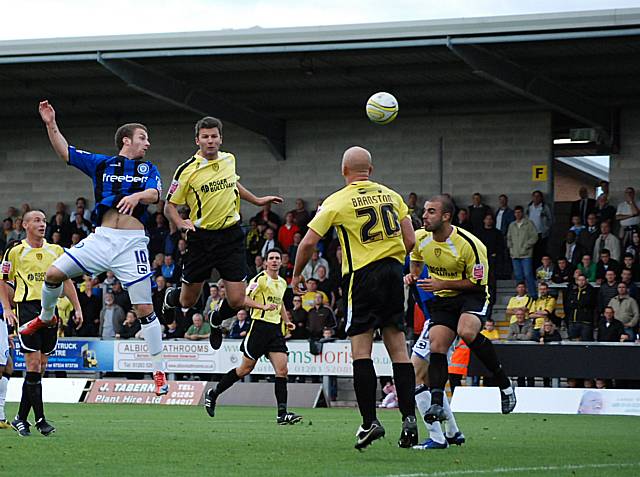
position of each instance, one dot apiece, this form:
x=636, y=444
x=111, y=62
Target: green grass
x=126, y=440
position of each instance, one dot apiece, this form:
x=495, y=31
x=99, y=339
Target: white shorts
x=422, y=348
x=124, y=252
x=4, y=343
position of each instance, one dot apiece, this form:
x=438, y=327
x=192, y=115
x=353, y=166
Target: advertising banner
x=550, y=401
x=53, y=390
x=74, y=355
x=112, y=391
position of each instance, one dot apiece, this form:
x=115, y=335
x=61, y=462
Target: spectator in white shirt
x=628, y=213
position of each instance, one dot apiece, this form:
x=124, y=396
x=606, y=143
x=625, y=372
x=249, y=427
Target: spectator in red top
x=287, y=231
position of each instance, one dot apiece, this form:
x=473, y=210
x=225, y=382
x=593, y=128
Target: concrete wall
x=625, y=166
x=491, y=154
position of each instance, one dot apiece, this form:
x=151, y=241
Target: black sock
x=226, y=382
x=364, y=384
x=6, y=375
x=34, y=388
x=405, y=379
x=25, y=403
x=281, y=395
x=486, y=353
x=223, y=312
x=173, y=297
x=438, y=375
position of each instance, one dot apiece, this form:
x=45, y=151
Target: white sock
x=49, y=300
x=423, y=401
x=152, y=334
x=4, y=383
x=450, y=424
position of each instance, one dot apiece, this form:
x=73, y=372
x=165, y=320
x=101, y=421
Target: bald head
x=31, y=214
x=356, y=161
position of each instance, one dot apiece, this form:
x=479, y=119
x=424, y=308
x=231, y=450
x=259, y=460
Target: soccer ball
x=382, y=108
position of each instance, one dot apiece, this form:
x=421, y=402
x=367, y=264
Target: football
x=382, y=108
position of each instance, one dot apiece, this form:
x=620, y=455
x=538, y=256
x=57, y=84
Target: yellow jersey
x=491, y=335
x=209, y=188
x=547, y=303
x=367, y=217
x=264, y=289
x=461, y=256
x=524, y=301
x=27, y=266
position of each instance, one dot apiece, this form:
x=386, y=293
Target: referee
x=26, y=264
x=457, y=262
x=208, y=184
x=375, y=232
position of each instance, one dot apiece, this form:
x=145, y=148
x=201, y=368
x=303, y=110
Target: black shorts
x=447, y=310
x=374, y=297
x=44, y=340
x=263, y=338
x=219, y=249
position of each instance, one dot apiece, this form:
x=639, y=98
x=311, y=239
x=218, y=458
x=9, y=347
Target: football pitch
x=154, y=441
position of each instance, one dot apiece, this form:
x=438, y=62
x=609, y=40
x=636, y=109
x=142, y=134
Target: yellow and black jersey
x=367, y=216
x=209, y=188
x=461, y=256
x=264, y=290
x=27, y=266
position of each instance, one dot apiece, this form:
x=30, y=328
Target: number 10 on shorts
x=142, y=261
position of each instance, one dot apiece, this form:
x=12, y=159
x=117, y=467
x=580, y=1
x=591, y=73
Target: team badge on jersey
x=143, y=168
x=39, y=256
x=5, y=268
x=216, y=166
x=174, y=186
x=437, y=252
x=478, y=271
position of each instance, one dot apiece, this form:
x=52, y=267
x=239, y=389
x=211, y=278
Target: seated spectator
x=286, y=268
x=111, y=318
x=240, y=326
x=90, y=300
x=81, y=203
x=301, y=216
x=626, y=278
x=544, y=272
x=605, y=211
x=76, y=237
x=130, y=328
x=490, y=330
x=180, y=254
x=520, y=301
x=253, y=240
x=542, y=308
x=604, y=264
x=267, y=217
x=212, y=300
x=120, y=296
x=581, y=310
x=158, y=235
x=628, y=213
x=611, y=330
x=576, y=225
x=607, y=241
x=634, y=247
x=171, y=331
x=199, y=330
x=61, y=209
x=157, y=297
x=549, y=333
x=571, y=250
x=310, y=269
x=608, y=289
x=415, y=211
x=269, y=242
x=287, y=231
x=257, y=267
x=319, y=317
x=626, y=310
x=7, y=230
x=293, y=249
x=169, y=269
x=463, y=219
x=299, y=318
x=588, y=268
x=562, y=272
x=156, y=264
x=80, y=224
x=587, y=238
x=522, y=328
x=325, y=285
x=62, y=227
x=633, y=267
x=309, y=298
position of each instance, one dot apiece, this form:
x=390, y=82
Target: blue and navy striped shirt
x=115, y=177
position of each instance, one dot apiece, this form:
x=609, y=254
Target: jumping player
x=124, y=185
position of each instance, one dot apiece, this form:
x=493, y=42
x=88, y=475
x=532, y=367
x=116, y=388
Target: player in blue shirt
x=420, y=359
x=124, y=185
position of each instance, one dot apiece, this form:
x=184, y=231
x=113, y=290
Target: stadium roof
x=583, y=66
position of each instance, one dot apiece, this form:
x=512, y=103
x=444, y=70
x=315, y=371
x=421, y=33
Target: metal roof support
x=526, y=83
x=180, y=94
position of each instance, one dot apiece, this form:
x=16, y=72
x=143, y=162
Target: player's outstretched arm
x=247, y=195
x=171, y=212
x=58, y=142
